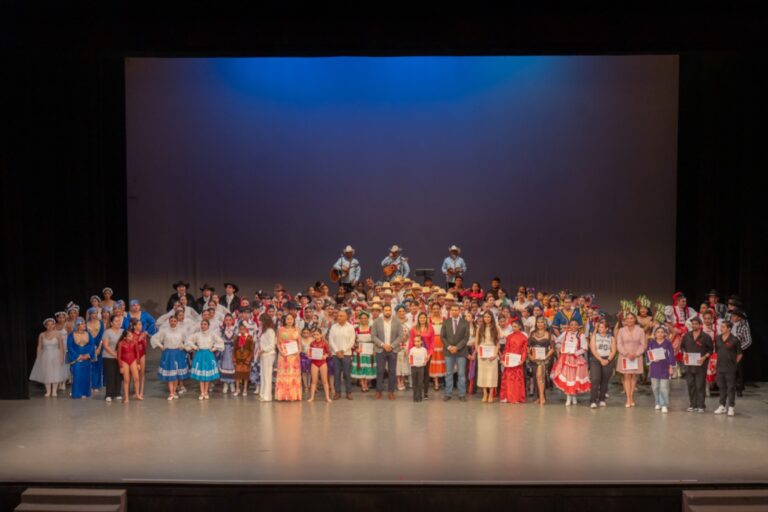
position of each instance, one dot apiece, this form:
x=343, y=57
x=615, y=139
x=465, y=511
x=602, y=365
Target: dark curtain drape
x=721, y=224
x=63, y=210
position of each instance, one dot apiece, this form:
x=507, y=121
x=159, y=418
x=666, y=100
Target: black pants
x=386, y=361
x=113, y=378
x=417, y=379
x=599, y=377
x=343, y=367
x=726, y=382
x=696, y=378
x=739, y=376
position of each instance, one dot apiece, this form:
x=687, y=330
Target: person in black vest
x=181, y=288
x=229, y=300
x=728, y=347
x=203, y=302
x=696, y=341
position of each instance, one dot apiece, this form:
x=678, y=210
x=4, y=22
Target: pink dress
x=630, y=343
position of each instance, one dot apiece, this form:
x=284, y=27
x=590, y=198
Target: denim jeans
x=661, y=391
x=451, y=362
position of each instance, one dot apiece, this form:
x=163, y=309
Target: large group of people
x=395, y=333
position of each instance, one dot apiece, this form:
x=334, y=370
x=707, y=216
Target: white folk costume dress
x=570, y=373
x=173, y=362
x=364, y=365
x=204, y=367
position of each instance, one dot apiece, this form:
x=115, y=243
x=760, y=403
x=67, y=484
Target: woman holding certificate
x=288, y=382
x=570, y=372
x=364, y=366
x=515, y=353
x=630, y=343
x=541, y=348
x=487, y=351
x=602, y=345
x=318, y=353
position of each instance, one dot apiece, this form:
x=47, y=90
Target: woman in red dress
x=513, y=379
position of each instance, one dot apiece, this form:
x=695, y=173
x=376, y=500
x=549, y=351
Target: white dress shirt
x=341, y=338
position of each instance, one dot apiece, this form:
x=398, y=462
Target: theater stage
x=229, y=440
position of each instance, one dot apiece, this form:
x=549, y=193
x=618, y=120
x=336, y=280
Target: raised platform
x=240, y=443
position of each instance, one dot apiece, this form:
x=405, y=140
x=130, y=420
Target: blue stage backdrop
x=547, y=171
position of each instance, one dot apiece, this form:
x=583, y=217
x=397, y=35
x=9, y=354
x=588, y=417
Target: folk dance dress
x=173, y=361
x=243, y=357
x=204, y=367
x=364, y=365
x=288, y=383
x=226, y=361
x=570, y=373
x=97, y=365
x=403, y=369
x=513, y=378
x=437, y=363
x=48, y=368
x=680, y=319
x=81, y=368
x=255, y=375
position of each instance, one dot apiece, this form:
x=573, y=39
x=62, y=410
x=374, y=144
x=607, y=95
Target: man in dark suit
x=181, y=288
x=202, y=302
x=229, y=300
x=455, y=335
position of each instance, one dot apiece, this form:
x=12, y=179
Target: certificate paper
x=629, y=364
x=366, y=349
x=487, y=351
x=657, y=354
x=539, y=353
x=570, y=346
x=511, y=360
x=291, y=348
x=691, y=358
x=316, y=353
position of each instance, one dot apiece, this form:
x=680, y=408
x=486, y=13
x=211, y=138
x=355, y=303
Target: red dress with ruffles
x=512, y=388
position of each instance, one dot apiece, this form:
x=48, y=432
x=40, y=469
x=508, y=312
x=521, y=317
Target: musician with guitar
x=346, y=270
x=453, y=267
x=395, y=264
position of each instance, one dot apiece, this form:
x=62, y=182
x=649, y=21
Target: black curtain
x=63, y=195
x=721, y=224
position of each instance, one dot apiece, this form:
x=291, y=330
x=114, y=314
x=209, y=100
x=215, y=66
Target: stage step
x=747, y=500
x=70, y=507
x=42, y=499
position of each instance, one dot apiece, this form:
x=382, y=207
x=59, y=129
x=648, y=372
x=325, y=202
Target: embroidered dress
x=364, y=366
x=226, y=360
x=403, y=368
x=204, y=367
x=288, y=382
x=437, y=363
x=570, y=373
x=243, y=357
x=173, y=361
x=513, y=379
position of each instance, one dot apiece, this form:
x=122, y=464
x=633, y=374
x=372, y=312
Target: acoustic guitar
x=336, y=276
x=392, y=268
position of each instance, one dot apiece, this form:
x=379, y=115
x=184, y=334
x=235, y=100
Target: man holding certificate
x=455, y=335
x=388, y=337
x=341, y=339
x=696, y=347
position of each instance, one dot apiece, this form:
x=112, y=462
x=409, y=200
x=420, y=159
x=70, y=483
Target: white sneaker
x=567, y=400
x=664, y=409
x=236, y=393
x=573, y=400
x=593, y=405
x=119, y=398
x=658, y=407
x=731, y=411
x=602, y=404
x=720, y=410
x=225, y=389
x=108, y=399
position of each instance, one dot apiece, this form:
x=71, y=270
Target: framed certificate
x=316, y=353
x=417, y=358
x=366, y=349
x=630, y=364
x=657, y=354
x=569, y=347
x=487, y=351
x=291, y=348
x=692, y=358
x=539, y=353
x=511, y=360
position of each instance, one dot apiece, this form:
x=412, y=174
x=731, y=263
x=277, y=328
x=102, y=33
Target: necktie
x=455, y=325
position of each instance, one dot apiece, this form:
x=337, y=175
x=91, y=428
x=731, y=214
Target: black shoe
x=446, y=398
x=462, y=399
x=739, y=394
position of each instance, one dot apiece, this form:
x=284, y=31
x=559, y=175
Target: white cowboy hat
x=454, y=248
x=348, y=249
x=395, y=248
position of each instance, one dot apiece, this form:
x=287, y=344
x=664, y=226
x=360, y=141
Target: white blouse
x=207, y=340
x=169, y=337
x=267, y=342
